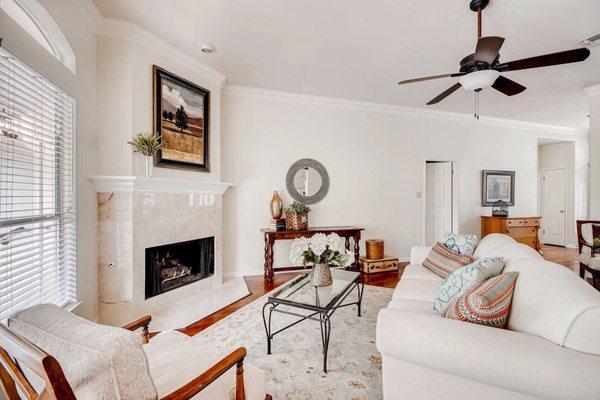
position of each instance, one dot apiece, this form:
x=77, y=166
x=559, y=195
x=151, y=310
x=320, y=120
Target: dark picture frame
x=185, y=134
x=497, y=185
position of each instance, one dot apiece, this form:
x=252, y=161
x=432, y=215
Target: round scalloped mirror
x=307, y=181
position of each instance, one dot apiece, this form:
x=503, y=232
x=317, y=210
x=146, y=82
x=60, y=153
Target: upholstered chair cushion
x=464, y=279
x=592, y=262
x=463, y=244
x=99, y=362
x=486, y=304
x=443, y=261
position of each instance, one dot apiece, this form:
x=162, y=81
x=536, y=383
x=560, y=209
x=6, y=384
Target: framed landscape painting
x=498, y=185
x=181, y=111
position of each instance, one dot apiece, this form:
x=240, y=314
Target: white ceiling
x=359, y=50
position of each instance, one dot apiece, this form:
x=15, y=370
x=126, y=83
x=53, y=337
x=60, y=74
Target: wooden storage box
x=386, y=264
x=374, y=249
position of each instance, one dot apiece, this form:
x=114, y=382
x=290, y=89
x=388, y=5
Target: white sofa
x=551, y=349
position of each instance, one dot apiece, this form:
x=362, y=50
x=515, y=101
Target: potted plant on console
x=296, y=216
x=321, y=251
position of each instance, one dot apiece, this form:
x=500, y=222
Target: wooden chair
x=589, y=255
x=16, y=353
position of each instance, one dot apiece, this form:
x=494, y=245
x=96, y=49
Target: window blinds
x=37, y=197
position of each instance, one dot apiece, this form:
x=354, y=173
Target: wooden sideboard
x=524, y=230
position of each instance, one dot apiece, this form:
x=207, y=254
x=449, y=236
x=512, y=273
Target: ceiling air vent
x=593, y=40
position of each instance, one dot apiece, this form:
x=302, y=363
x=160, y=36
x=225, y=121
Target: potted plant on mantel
x=321, y=251
x=148, y=145
x=296, y=216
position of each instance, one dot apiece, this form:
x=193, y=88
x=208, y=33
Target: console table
x=271, y=236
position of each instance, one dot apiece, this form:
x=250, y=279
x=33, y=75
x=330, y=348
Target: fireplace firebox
x=178, y=264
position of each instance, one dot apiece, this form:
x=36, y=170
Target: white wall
x=83, y=88
x=562, y=156
x=594, y=94
x=374, y=156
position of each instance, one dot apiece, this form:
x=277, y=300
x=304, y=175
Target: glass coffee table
x=320, y=302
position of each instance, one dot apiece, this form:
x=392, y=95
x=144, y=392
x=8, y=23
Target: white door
x=554, y=222
x=438, y=197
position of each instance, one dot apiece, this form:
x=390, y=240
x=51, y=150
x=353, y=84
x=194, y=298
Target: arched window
x=35, y=20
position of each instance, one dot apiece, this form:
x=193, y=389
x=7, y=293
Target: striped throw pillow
x=443, y=261
x=488, y=303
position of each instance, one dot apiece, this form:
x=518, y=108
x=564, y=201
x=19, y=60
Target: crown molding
x=296, y=98
x=90, y=13
x=131, y=184
x=592, y=90
x=126, y=30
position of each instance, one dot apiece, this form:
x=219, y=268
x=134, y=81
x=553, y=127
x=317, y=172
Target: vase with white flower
x=320, y=251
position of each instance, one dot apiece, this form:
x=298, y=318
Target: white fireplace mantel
x=130, y=184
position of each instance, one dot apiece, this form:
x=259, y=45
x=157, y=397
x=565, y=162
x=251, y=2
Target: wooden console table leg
x=269, y=259
x=357, y=250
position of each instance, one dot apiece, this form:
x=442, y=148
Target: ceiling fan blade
x=488, y=48
x=547, y=60
x=507, y=86
x=428, y=78
x=445, y=94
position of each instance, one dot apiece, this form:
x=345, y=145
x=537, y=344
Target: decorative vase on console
x=321, y=251
x=276, y=205
x=148, y=145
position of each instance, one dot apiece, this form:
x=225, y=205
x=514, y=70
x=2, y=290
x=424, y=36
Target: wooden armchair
x=16, y=353
x=589, y=253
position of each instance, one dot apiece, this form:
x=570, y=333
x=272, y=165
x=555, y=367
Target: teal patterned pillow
x=464, y=279
x=463, y=244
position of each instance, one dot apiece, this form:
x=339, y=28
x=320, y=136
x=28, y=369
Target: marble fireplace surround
x=137, y=212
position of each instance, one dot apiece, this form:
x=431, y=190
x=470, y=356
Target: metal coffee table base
x=323, y=316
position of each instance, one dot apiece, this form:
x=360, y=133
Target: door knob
x=561, y=211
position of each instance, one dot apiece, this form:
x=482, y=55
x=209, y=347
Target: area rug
x=294, y=369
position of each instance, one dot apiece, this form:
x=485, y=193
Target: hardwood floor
x=258, y=285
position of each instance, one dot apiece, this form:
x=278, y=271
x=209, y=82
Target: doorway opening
x=439, y=200
x=556, y=164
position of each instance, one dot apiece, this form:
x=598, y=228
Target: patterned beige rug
x=294, y=369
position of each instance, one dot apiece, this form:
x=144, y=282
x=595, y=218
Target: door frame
x=454, y=165
x=542, y=211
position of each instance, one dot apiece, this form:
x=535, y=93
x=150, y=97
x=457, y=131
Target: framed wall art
x=181, y=119
x=498, y=185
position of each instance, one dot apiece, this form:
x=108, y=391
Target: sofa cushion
x=443, y=261
x=464, y=279
x=420, y=306
x=417, y=271
x=512, y=252
x=99, y=362
x=463, y=244
x=175, y=359
x=416, y=289
x=551, y=301
x=486, y=304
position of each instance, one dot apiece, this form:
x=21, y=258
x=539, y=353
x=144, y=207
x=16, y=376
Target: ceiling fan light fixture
x=479, y=80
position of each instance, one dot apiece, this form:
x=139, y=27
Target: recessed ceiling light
x=207, y=48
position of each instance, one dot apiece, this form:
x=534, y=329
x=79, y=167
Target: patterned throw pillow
x=442, y=261
x=464, y=279
x=463, y=244
x=488, y=303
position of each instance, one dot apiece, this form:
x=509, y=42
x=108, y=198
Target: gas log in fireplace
x=178, y=264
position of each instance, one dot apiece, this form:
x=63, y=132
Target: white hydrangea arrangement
x=321, y=249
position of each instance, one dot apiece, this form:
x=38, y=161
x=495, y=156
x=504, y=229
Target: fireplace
x=178, y=264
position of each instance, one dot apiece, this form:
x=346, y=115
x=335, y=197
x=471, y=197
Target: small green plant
x=298, y=207
x=146, y=143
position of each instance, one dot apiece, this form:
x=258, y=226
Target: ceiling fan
x=482, y=69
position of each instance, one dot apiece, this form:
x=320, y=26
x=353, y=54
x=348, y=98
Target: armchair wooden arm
x=144, y=323
x=193, y=387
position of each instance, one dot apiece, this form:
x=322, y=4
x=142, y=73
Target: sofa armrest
x=418, y=254
x=506, y=359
